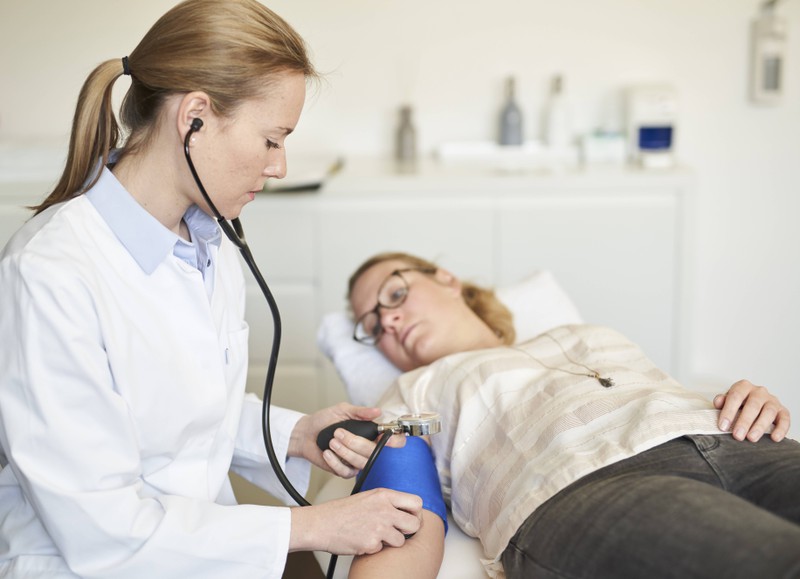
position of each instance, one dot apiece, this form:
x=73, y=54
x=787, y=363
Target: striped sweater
x=515, y=432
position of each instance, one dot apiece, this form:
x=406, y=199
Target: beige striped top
x=514, y=433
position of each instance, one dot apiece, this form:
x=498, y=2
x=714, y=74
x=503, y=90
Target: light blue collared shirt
x=146, y=238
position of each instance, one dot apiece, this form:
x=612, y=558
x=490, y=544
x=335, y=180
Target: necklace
x=605, y=382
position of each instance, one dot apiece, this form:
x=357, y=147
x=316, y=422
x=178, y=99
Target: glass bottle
x=406, y=141
x=510, y=118
x=558, y=129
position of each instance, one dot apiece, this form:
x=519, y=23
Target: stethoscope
x=411, y=425
x=235, y=233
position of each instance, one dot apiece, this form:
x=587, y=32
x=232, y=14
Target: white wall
x=449, y=57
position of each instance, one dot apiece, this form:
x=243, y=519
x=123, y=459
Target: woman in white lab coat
x=122, y=370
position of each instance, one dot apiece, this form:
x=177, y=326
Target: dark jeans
x=698, y=506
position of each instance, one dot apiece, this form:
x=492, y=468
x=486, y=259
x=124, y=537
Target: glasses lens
x=368, y=328
x=391, y=294
x=393, y=291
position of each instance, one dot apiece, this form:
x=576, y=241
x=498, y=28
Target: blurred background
x=450, y=60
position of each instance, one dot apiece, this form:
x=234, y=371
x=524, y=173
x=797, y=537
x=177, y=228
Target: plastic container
x=558, y=117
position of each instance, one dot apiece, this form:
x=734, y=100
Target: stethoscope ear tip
x=197, y=124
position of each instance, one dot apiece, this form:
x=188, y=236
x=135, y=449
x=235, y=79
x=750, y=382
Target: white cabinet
x=616, y=256
x=455, y=233
x=614, y=239
x=281, y=236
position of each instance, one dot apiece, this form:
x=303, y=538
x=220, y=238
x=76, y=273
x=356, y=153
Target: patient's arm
x=420, y=557
x=409, y=469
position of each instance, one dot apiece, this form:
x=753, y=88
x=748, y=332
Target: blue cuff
x=410, y=469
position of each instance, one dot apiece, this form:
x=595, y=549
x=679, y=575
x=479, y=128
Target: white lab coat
x=122, y=407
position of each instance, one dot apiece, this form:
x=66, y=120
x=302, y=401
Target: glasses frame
x=371, y=340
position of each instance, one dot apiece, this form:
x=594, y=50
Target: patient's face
x=432, y=322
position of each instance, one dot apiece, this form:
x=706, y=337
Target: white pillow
x=537, y=302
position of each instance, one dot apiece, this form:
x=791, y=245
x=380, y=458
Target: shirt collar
x=145, y=238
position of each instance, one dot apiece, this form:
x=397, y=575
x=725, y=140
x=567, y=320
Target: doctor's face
x=433, y=320
x=238, y=154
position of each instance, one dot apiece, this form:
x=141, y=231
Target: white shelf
x=367, y=176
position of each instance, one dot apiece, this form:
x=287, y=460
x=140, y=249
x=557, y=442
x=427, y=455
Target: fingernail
x=754, y=435
x=339, y=433
x=335, y=444
x=725, y=424
x=739, y=434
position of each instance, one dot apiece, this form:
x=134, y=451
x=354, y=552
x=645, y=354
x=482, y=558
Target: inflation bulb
x=408, y=424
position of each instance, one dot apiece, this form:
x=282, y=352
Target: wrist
x=298, y=438
x=302, y=537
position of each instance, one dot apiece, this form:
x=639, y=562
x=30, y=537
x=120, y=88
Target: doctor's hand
x=757, y=410
x=360, y=524
x=348, y=453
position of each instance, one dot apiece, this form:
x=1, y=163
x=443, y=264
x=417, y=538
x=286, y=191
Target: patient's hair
x=231, y=50
x=480, y=300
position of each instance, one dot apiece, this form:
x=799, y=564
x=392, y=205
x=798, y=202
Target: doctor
x=124, y=346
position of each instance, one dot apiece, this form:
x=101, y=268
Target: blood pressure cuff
x=412, y=470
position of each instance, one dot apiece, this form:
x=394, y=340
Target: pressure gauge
x=420, y=424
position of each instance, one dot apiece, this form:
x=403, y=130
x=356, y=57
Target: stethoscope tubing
x=235, y=232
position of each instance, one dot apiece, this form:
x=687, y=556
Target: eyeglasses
x=391, y=294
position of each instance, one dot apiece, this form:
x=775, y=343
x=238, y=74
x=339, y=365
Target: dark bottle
x=510, y=118
x=406, y=144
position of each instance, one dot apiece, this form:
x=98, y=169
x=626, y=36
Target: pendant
x=605, y=382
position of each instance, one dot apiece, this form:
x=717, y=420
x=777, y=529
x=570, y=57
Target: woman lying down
x=571, y=455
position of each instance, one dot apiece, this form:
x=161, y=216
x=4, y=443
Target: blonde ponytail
x=94, y=133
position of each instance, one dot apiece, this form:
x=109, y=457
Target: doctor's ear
x=192, y=109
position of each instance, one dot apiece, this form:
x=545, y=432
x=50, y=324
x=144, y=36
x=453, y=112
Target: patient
x=572, y=455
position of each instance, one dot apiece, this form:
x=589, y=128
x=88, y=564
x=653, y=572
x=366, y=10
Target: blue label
x=655, y=138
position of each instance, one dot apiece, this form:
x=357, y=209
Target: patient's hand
x=758, y=410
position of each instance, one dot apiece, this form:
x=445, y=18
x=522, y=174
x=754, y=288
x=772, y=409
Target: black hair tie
x=126, y=69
